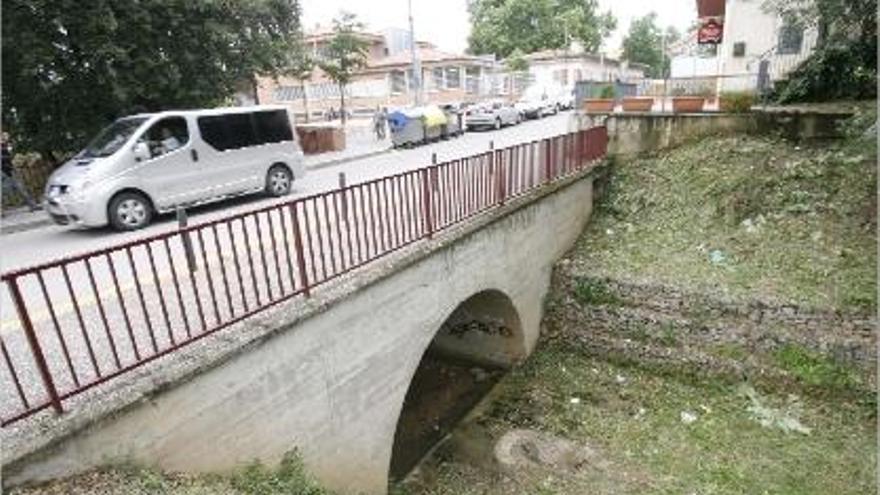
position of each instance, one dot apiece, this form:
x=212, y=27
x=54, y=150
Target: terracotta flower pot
x=636, y=104
x=688, y=104
x=598, y=105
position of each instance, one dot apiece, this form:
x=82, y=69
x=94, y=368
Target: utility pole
x=417, y=66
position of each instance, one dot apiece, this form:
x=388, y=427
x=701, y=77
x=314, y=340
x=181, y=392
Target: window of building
x=437, y=76
x=739, y=49
x=791, y=37
x=398, y=81
x=453, y=78
x=472, y=79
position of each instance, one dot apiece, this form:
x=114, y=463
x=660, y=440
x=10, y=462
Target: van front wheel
x=130, y=211
x=279, y=181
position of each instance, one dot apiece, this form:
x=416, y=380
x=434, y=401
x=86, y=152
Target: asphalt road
x=188, y=307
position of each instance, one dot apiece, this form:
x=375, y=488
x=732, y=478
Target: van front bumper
x=64, y=211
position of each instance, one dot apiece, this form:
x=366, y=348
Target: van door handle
x=194, y=154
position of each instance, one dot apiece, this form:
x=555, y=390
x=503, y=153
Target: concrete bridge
x=327, y=375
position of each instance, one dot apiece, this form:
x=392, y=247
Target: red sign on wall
x=710, y=32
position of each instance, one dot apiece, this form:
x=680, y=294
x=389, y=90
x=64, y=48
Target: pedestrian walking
x=11, y=183
x=379, y=122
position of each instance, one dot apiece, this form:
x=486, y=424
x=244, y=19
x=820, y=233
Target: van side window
x=166, y=136
x=273, y=126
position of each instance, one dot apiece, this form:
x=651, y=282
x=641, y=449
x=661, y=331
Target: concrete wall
x=633, y=133
x=333, y=385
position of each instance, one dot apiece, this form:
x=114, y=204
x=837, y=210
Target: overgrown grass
x=744, y=439
x=750, y=216
x=815, y=369
x=288, y=478
x=590, y=292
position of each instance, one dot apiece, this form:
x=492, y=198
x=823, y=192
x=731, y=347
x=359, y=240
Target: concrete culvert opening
x=479, y=341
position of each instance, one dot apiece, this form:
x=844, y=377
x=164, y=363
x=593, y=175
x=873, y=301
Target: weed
x=815, y=369
x=290, y=478
x=593, y=292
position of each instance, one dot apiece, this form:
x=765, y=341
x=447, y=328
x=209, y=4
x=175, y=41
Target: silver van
x=146, y=164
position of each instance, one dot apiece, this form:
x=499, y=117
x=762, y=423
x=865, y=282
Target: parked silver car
x=492, y=114
x=152, y=163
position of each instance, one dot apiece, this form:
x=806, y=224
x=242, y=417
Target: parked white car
x=493, y=114
x=146, y=164
x=535, y=107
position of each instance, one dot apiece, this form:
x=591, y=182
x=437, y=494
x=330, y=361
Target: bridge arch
x=476, y=343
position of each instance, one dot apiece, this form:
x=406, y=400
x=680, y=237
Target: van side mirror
x=141, y=151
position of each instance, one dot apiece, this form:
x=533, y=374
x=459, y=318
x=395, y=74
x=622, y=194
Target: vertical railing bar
x=298, y=247
x=102, y=313
x=250, y=259
x=237, y=262
x=79, y=318
x=36, y=350
x=286, y=236
x=140, y=293
x=309, y=244
x=57, y=327
x=210, y=278
x=183, y=314
x=223, y=270
x=12, y=372
x=195, y=287
x=273, y=238
x=137, y=354
x=262, y=249
x=159, y=292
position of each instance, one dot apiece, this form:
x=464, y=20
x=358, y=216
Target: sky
x=445, y=22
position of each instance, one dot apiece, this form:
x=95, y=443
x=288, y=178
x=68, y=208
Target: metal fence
x=89, y=318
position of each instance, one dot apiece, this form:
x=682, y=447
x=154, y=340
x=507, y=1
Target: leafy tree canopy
x=70, y=67
x=516, y=61
x=644, y=44
x=345, y=55
x=501, y=26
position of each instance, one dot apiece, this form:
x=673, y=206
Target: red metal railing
x=86, y=319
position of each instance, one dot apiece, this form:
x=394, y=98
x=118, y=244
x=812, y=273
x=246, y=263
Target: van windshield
x=112, y=137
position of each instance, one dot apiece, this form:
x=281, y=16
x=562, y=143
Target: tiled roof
x=426, y=55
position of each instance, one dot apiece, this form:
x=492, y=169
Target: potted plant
x=637, y=103
x=603, y=104
x=684, y=101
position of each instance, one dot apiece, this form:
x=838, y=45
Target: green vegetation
x=607, y=92
x=69, y=68
x=289, y=478
x=345, y=54
x=644, y=44
x=736, y=101
x=591, y=292
x=844, y=63
x=815, y=369
x=663, y=433
x=752, y=217
x=501, y=26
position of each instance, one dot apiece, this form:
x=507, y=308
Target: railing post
x=500, y=176
x=344, y=197
x=427, y=216
x=34, y=343
x=300, y=252
x=182, y=221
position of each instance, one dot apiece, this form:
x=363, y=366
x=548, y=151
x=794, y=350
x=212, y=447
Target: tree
x=516, y=61
x=844, y=62
x=71, y=67
x=644, y=44
x=346, y=53
x=501, y=26
x=300, y=67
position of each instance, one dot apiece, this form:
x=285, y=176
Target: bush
x=846, y=70
x=607, y=92
x=736, y=101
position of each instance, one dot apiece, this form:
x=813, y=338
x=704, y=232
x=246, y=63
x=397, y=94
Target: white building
x=563, y=68
x=751, y=35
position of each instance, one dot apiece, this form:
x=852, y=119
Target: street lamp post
x=417, y=67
